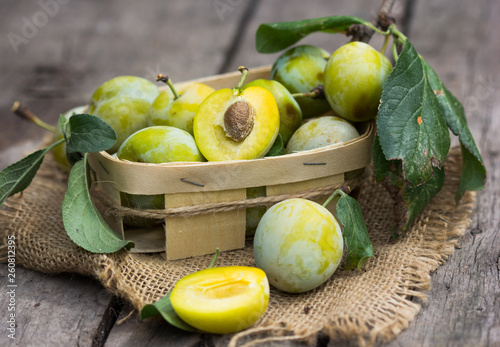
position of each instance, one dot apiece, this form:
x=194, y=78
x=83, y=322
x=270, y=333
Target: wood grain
x=85, y=43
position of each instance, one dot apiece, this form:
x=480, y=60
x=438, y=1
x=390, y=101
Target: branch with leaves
x=415, y=115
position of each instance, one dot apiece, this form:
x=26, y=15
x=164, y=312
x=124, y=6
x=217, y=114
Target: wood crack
x=234, y=46
x=108, y=321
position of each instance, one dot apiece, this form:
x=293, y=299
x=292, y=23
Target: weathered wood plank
x=64, y=310
x=60, y=62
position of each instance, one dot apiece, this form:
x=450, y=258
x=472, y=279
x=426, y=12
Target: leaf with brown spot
x=410, y=123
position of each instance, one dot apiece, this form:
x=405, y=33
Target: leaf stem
x=56, y=143
x=23, y=112
x=377, y=30
x=165, y=79
x=337, y=192
x=399, y=37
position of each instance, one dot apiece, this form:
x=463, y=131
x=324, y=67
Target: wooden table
x=55, y=53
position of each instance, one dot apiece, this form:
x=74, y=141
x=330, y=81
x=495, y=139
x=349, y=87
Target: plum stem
x=316, y=93
x=386, y=43
x=244, y=73
x=23, y=112
x=395, y=51
x=165, y=79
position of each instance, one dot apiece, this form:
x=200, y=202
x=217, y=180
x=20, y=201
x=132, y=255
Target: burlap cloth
x=373, y=304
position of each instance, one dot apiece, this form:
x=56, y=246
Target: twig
x=24, y=113
x=361, y=33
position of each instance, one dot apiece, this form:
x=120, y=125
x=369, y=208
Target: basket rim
x=182, y=177
x=366, y=134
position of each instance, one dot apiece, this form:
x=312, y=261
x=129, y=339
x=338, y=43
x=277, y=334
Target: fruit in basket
x=59, y=152
x=320, y=132
x=156, y=145
x=221, y=300
x=141, y=202
x=124, y=103
x=354, y=77
x=254, y=214
x=180, y=111
x=298, y=244
x=159, y=144
x=289, y=109
x=236, y=124
x=300, y=69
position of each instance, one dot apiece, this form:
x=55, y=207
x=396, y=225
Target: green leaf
x=62, y=124
x=359, y=246
x=274, y=37
x=89, y=134
x=83, y=223
x=18, y=176
x=417, y=198
x=164, y=308
x=410, y=122
x=473, y=170
x=408, y=201
x=385, y=169
x=278, y=147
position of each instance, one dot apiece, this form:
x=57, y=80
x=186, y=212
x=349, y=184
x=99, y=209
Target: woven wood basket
x=225, y=182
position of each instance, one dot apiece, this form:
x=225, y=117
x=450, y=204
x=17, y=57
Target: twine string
x=113, y=208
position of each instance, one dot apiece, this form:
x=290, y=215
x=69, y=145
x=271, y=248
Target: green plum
x=141, y=202
x=299, y=245
x=300, y=69
x=155, y=144
x=289, y=109
x=159, y=144
x=180, y=112
x=354, y=77
x=320, y=132
x=124, y=103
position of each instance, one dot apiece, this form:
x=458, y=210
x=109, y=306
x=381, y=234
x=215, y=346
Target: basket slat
x=203, y=234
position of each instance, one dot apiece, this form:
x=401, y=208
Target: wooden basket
x=201, y=183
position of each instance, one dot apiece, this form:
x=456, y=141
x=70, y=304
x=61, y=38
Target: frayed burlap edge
x=433, y=239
